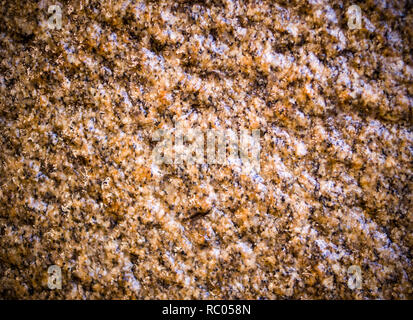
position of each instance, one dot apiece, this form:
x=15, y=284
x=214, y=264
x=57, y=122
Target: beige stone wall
x=79, y=106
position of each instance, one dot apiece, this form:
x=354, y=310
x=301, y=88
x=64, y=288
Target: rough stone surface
x=79, y=107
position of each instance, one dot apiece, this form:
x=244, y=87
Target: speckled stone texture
x=79, y=107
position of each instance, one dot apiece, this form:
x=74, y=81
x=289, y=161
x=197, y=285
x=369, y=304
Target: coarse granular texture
x=79, y=107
